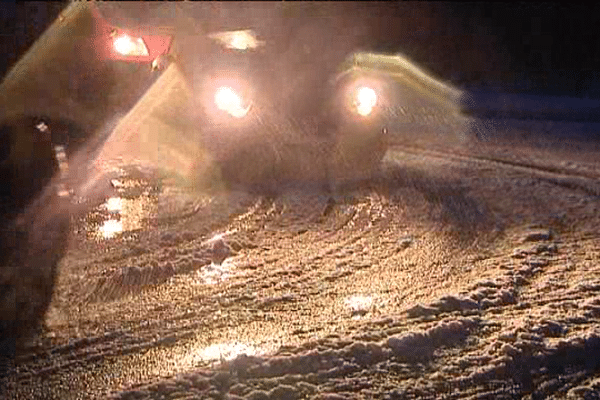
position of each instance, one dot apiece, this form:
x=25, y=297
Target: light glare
x=226, y=99
x=114, y=204
x=110, y=228
x=128, y=46
x=238, y=40
x=366, y=98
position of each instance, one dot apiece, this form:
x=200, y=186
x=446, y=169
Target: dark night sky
x=544, y=46
x=541, y=35
x=546, y=38
x=20, y=25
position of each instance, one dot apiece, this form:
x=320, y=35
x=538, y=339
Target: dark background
x=550, y=48
x=546, y=47
x=21, y=23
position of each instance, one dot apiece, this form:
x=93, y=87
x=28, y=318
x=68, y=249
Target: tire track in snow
x=584, y=181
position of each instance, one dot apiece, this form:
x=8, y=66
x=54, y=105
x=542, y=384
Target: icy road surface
x=462, y=270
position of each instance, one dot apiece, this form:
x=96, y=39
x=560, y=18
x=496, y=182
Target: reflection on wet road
x=224, y=352
x=110, y=228
x=125, y=213
x=359, y=304
x=214, y=273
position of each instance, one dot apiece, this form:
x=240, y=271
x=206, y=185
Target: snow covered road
x=460, y=271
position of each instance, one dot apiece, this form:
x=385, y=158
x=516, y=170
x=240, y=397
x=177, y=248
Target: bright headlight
x=128, y=46
x=238, y=40
x=365, y=100
x=226, y=99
